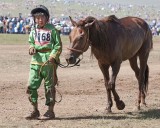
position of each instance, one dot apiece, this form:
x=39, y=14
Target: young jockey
x=45, y=48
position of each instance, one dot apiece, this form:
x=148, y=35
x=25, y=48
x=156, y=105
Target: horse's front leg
x=104, y=68
x=115, y=69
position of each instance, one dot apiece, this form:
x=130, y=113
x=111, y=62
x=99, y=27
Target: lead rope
x=69, y=66
x=55, y=74
x=56, y=83
x=55, y=80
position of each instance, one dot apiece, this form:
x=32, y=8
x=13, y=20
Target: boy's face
x=41, y=20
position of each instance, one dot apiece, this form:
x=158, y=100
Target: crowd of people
x=155, y=27
x=19, y=25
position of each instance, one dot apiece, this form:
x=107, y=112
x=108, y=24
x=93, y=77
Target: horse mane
x=111, y=18
x=88, y=19
x=100, y=31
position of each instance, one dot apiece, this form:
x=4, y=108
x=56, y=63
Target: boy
x=45, y=48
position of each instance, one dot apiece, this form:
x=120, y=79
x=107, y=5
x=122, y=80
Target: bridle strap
x=76, y=50
x=81, y=51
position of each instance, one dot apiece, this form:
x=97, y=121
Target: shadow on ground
x=149, y=114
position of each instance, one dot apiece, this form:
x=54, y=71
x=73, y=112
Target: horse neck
x=98, y=37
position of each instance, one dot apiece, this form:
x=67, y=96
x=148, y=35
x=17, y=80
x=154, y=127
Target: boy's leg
x=34, y=84
x=50, y=112
x=50, y=91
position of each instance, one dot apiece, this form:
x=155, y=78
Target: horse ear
x=72, y=21
x=89, y=24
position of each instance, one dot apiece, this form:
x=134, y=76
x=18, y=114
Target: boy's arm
x=32, y=49
x=31, y=40
x=57, y=49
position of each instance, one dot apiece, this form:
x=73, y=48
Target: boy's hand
x=52, y=60
x=32, y=51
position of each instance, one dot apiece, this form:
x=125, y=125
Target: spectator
x=1, y=26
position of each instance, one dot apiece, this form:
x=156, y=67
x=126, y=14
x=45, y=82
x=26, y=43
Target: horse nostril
x=71, y=59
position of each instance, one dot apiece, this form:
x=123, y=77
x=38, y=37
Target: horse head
x=79, y=39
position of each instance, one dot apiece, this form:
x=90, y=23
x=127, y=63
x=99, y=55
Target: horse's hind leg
x=140, y=75
x=143, y=76
x=135, y=68
x=104, y=68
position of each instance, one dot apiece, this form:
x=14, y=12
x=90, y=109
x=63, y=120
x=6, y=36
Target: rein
x=69, y=66
x=55, y=75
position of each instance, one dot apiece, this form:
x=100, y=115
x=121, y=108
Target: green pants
x=36, y=75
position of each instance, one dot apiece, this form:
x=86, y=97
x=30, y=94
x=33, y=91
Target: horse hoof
x=108, y=111
x=120, y=105
x=136, y=109
x=144, y=105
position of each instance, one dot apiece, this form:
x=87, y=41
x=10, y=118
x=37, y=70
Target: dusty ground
x=83, y=94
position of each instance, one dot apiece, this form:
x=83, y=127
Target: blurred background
x=15, y=14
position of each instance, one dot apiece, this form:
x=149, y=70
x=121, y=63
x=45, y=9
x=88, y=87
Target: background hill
x=82, y=8
x=155, y=3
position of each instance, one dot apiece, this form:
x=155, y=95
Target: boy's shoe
x=34, y=115
x=49, y=115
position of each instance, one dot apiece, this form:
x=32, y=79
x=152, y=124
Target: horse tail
x=146, y=79
x=149, y=36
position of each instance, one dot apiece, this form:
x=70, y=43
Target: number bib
x=43, y=37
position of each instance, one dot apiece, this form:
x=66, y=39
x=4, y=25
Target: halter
x=81, y=51
x=76, y=50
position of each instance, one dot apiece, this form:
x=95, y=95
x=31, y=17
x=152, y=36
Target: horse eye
x=81, y=36
x=80, y=31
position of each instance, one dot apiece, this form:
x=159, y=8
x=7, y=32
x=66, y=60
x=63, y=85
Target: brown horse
x=112, y=41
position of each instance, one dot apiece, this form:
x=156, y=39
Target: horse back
x=114, y=38
x=136, y=36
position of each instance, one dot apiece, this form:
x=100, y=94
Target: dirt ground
x=83, y=94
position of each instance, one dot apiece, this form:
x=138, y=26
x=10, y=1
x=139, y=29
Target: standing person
x=45, y=48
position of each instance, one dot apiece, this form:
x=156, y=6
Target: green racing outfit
x=47, y=43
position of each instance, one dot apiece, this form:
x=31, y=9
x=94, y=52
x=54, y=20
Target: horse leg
x=104, y=68
x=143, y=76
x=115, y=69
x=135, y=68
x=134, y=65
